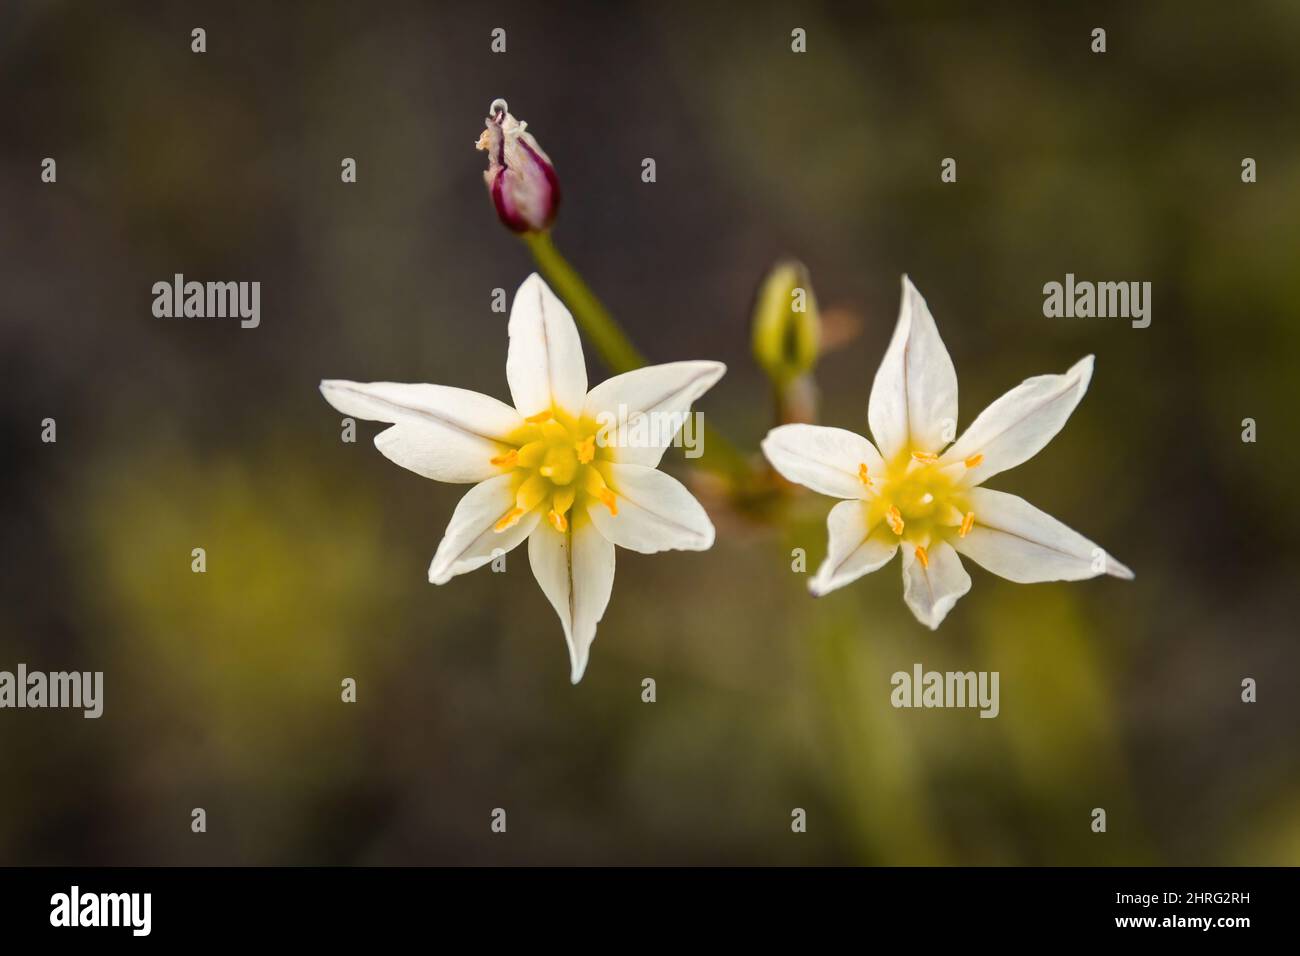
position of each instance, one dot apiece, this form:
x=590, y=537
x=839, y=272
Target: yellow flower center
x=920, y=500
x=556, y=462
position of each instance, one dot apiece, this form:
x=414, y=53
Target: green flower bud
x=786, y=324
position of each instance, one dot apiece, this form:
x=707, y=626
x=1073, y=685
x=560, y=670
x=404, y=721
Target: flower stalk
x=615, y=348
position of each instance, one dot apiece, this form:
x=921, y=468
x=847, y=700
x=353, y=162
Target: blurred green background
x=222, y=690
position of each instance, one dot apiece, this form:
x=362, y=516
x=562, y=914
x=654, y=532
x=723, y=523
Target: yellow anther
x=895, y=519
x=540, y=417
x=925, y=457
x=558, y=521
x=922, y=556
x=546, y=471
x=967, y=523
x=595, y=486
x=587, y=449
x=508, y=459
x=974, y=460
x=562, y=500
x=509, y=519
x=862, y=475
x=949, y=516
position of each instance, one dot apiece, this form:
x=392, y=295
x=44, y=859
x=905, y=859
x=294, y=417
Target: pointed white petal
x=436, y=455
x=854, y=548
x=663, y=394
x=932, y=591
x=827, y=460
x=544, y=365
x=1017, y=426
x=576, y=572
x=443, y=433
x=914, y=397
x=655, y=512
x=471, y=539
x=1019, y=542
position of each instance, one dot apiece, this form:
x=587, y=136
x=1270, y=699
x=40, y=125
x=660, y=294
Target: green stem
x=613, y=345
x=610, y=341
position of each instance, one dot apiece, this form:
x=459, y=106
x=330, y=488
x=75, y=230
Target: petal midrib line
x=433, y=417
x=546, y=344
x=568, y=565
x=907, y=388
x=861, y=544
x=692, y=532
x=1034, y=410
x=984, y=526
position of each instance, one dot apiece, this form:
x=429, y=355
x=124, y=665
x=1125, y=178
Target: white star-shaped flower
x=915, y=495
x=569, y=470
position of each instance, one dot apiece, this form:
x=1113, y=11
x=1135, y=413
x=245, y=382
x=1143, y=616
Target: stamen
x=540, y=417
x=508, y=520
x=949, y=516
x=967, y=523
x=974, y=460
x=558, y=521
x=562, y=500
x=587, y=450
x=862, y=475
x=531, y=453
x=922, y=556
x=532, y=492
x=895, y=519
x=508, y=459
x=595, y=486
x=555, y=433
x=925, y=457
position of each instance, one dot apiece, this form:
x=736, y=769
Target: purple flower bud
x=520, y=178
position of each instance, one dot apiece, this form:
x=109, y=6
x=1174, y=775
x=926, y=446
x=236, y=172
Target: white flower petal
x=443, y=433
x=544, y=364
x=827, y=460
x=914, y=397
x=471, y=538
x=576, y=572
x=932, y=591
x=1017, y=426
x=662, y=393
x=1019, y=542
x=655, y=512
x=854, y=547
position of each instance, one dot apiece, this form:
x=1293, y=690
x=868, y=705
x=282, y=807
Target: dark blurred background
x=222, y=689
